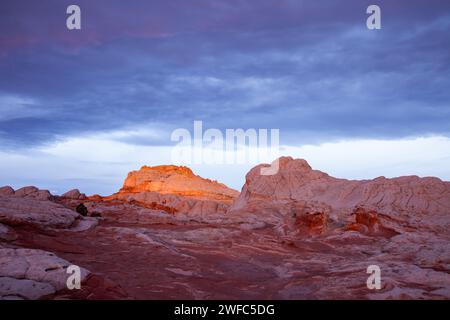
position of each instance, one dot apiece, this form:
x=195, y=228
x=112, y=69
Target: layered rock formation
x=176, y=180
x=29, y=273
x=176, y=190
x=406, y=202
x=32, y=274
x=31, y=206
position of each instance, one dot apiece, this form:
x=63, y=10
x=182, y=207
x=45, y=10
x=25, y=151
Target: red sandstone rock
x=299, y=234
x=6, y=191
x=74, y=194
x=369, y=221
x=33, y=192
x=34, y=207
x=176, y=190
x=175, y=204
x=30, y=211
x=7, y=233
x=32, y=274
x=408, y=201
x=178, y=181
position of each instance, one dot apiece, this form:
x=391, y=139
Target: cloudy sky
x=81, y=108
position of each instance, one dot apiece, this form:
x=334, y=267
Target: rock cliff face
x=177, y=189
x=410, y=201
x=176, y=180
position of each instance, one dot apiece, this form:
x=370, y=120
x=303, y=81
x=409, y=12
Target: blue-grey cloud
x=311, y=69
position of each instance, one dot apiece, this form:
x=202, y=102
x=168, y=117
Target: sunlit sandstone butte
x=170, y=234
x=176, y=180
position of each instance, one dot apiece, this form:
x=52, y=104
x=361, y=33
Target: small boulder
x=74, y=194
x=26, y=191
x=81, y=209
x=33, y=192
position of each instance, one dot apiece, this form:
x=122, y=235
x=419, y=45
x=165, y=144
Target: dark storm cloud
x=310, y=68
